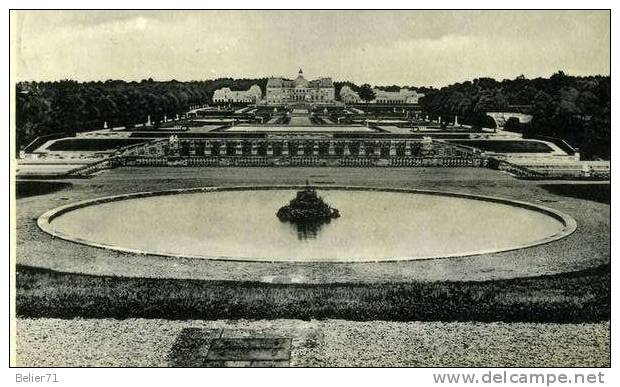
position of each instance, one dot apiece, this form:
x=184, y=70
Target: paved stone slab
x=228, y=363
x=246, y=363
x=192, y=346
x=196, y=347
x=270, y=364
x=262, y=349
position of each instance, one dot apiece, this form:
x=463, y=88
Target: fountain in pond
x=308, y=212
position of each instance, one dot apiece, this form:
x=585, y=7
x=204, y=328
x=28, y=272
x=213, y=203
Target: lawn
x=570, y=297
x=600, y=193
x=27, y=188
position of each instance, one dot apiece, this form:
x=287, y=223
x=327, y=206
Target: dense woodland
x=45, y=108
x=577, y=109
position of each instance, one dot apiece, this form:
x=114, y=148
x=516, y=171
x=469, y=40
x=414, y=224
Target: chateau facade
x=225, y=94
x=403, y=96
x=281, y=90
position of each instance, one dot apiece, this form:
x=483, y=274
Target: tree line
x=68, y=107
x=575, y=109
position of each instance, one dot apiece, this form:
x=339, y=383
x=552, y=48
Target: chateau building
x=402, y=96
x=225, y=94
x=281, y=90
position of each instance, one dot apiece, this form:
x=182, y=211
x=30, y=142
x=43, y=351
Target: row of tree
x=46, y=108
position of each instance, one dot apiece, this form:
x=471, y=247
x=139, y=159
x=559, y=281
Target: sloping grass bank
x=27, y=188
x=598, y=192
x=573, y=297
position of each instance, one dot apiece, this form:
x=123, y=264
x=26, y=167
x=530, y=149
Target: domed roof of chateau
x=300, y=80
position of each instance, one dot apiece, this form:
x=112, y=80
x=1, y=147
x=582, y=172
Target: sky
x=418, y=48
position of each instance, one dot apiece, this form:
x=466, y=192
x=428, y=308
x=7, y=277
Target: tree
x=366, y=93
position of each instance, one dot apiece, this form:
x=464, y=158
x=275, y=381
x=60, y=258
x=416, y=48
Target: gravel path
x=142, y=342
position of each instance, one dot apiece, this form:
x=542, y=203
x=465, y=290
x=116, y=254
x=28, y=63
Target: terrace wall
x=328, y=151
x=302, y=152
x=448, y=162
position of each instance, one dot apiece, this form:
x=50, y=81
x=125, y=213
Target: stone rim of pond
x=44, y=222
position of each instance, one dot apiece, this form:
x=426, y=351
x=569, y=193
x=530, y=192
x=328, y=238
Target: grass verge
x=571, y=297
x=598, y=192
x=27, y=188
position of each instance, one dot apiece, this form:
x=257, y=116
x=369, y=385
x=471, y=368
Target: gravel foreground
x=328, y=343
